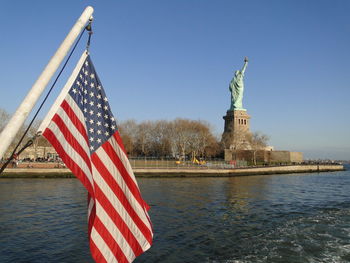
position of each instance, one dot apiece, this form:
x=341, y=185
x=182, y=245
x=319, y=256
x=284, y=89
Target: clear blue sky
x=166, y=59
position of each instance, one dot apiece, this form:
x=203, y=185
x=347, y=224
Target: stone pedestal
x=236, y=124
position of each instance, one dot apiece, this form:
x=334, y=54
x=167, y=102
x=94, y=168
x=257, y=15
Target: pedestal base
x=236, y=124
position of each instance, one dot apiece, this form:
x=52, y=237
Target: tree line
x=177, y=138
x=180, y=137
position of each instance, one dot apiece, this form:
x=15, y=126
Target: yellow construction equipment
x=196, y=161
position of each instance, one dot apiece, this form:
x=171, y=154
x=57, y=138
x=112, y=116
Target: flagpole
x=22, y=112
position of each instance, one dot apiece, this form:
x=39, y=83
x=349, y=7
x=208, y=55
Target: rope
x=31, y=141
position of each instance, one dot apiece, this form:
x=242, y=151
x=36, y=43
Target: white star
x=112, y=118
x=91, y=112
x=92, y=85
x=91, y=121
x=91, y=103
x=99, y=96
x=92, y=139
x=92, y=76
x=85, y=100
x=106, y=125
x=85, y=110
x=98, y=114
x=92, y=94
x=91, y=130
x=99, y=132
x=74, y=90
x=105, y=107
x=85, y=91
x=86, y=63
x=113, y=127
x=91, y=148
x=99, y=105
x=99, y=140
x=106, y=116
x=98, y=124
x=78, y=82
x=105, y=99
x=85, y=82
x=99, y=87
x=106, y=133
x=86, y=73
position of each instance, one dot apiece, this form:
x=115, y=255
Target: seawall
x=177, y=172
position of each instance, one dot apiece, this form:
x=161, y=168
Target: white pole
x=17, y=120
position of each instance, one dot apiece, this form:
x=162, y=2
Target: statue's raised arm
x=245, y=65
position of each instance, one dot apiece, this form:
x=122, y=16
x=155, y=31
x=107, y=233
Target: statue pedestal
x=236, y=123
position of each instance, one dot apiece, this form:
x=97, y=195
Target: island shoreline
x=179, y=172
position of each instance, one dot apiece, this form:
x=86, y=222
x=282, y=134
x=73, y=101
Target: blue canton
x=89, y=95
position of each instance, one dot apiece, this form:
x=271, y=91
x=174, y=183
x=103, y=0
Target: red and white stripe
x=119, y=225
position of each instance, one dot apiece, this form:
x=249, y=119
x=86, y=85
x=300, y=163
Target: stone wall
x=279, y=156
x=285, y=157
x=296, y=157
x=264, y=156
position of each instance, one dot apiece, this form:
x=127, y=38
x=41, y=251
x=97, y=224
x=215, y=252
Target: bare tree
x=258, y=141
x=202, y=137
x=144, y=137
x=212, y=147
x=209, y=145
x=176, y=138
x=160, y=133
x=128, y=132
x=192, y=137
x=182, y=136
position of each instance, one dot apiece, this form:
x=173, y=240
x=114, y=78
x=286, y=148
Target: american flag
x=84, y=133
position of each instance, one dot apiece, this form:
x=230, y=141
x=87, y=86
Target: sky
x=161, y=60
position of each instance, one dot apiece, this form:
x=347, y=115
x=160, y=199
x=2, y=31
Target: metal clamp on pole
x=89, y=29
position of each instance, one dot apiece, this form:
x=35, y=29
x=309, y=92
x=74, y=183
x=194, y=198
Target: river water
x=271, y=218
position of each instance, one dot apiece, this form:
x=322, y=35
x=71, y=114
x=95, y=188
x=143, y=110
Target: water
x=277, y=218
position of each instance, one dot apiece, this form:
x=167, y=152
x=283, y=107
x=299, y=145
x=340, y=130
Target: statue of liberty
x=237, y=88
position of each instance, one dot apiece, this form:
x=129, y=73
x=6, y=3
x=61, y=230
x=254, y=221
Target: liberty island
x=240, y=149
x=239, y=142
